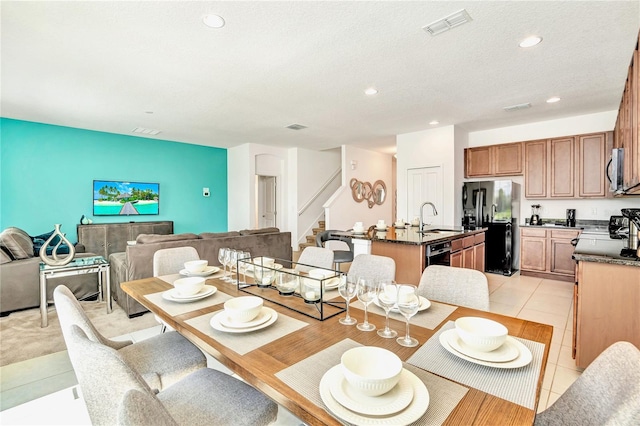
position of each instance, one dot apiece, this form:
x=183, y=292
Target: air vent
x=517, y=107
x=144, y=131
x=296, y=127
x=445, y=24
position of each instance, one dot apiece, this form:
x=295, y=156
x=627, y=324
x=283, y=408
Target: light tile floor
x=44, y=391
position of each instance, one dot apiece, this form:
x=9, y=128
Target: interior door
x=425, y=184
x=267, y=201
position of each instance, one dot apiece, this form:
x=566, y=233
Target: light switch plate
x=205, y=192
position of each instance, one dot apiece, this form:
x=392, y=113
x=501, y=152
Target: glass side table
x=78, y=266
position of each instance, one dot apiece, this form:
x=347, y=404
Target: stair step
x=316, y=231
x=311, y=239
x=321, y=224
x=304, y=245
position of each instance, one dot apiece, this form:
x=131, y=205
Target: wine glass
x=347, y=289
x=366, y=292
x=245, y=260
x=387, y=295
x=221, y=255
x=233, y=260
x=227, y=263
x=408, y=304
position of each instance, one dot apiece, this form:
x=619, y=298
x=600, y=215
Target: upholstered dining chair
x=112, y=389
x=373, y=266
x=606, y=393
x=171, y=261
x=339, y=256
x=457, y=286
x=314, y=257
x=161, y=360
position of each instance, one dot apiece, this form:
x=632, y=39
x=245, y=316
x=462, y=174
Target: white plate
x=208, y=271
x=413, y=412
x=263, y=316
x=524, y=357
x=424, y=304
x=391, y=402
x=215, y=323
x=173, y=296
x=507, y=352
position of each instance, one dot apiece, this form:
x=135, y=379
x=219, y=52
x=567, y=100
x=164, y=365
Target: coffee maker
x=571, y=218
x=535, y=215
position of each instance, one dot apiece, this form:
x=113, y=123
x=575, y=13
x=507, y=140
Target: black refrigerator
x=494, y=205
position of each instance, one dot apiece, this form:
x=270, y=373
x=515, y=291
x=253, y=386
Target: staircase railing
x=320, y=191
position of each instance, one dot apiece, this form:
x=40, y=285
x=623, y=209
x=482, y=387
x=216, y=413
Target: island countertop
x=602, y=249
x=411, y=235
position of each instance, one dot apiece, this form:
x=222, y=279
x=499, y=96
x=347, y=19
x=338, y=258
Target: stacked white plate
x=209, y=270
x=173, y=295
x=404, y=404
x=512, y=353
x=222, y=322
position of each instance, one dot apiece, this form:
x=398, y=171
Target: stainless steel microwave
x=615, y=170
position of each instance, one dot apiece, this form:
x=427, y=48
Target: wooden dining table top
x=259, y=367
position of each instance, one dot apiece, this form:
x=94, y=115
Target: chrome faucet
x=435, y=212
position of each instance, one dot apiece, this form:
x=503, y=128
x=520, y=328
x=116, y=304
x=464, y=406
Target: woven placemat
x=178, y=308
x=304, y=377
x=430, y=318
x=517, y=385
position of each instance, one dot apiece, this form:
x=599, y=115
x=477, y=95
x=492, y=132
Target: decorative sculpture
x=55, y=260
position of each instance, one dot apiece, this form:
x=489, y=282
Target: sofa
x=20, y=273
x=137, y=261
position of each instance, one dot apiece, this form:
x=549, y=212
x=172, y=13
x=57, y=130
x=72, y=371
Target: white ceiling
x=105, y=65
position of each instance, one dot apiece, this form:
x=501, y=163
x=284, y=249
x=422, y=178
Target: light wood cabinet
x=606, y=311
x=561, y=171
x=547, y=253
x=591, y=154
x=468, y=252
x=535, y=169
x=106, y=238
x=494, y=160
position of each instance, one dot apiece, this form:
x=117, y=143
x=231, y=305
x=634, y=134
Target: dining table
x=290, y=359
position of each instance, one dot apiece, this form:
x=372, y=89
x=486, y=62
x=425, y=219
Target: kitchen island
x=413, y=250
x=606, y=296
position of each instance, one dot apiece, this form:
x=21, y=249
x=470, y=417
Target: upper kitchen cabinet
x=567, y=167
x=493, y=160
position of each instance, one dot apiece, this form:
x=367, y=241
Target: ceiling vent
x=517, y=107
x=296, y=127
x=144, y=131
x=445, y=24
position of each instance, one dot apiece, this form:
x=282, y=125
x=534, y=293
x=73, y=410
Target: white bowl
x=196, y=265
x=481, y=334
x=189, y=286
x=243, y=309
x=371, y=370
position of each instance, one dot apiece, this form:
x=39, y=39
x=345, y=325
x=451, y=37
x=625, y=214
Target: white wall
x=341, y=210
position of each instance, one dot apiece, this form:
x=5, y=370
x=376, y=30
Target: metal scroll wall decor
x=373, y=194
x=55, y=260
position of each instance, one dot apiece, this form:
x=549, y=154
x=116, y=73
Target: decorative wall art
x=374, y=194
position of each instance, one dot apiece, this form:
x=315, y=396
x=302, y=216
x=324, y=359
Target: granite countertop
x=410, y=234
x=593, y=247
x=594, y=226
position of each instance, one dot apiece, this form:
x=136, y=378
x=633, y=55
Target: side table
x=80, y=265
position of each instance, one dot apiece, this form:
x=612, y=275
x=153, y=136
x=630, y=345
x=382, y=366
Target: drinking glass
x=233, y=260
x=366, y=292
x=227, y=263
x=221, y=255
x=347, y=289
x=387, y=295
x=408, y=304
x=245, y=260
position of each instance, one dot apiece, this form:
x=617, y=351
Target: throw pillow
x=39, y=240
x=17, y=242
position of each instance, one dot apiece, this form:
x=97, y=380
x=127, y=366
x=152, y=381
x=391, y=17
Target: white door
x=266, y=201
x=425, y=184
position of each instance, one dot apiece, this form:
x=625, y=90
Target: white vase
x=55, y=260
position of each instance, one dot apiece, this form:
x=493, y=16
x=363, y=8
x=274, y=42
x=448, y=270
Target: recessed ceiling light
x=213, y=21
x=553, y=100
x=371, y=91
x=530, y=41
x=434, y=122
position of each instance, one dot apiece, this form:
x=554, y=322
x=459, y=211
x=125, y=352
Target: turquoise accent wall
x=47, y=173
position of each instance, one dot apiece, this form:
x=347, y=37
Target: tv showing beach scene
x=119, y=198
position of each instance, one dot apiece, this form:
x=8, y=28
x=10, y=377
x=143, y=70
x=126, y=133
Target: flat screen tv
x=119, y=198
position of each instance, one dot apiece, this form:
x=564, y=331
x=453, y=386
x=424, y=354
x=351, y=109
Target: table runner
x=429, y=318
x=304, y=377
x=517, y=385
x=243, y=343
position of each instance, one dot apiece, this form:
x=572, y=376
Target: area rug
x=22, y=338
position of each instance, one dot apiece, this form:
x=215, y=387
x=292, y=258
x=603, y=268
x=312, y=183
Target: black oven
x=438, y=253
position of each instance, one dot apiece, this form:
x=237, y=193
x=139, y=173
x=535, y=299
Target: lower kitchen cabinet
x=546, y=253
x=468, y=252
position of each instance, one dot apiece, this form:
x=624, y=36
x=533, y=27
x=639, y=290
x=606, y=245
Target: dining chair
x=171, y=261
x=339, y=256
x=606, y=393
x=161, y=360
x=373, y=266
x=457, y=286
x=113, y=390
x=315, y=257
